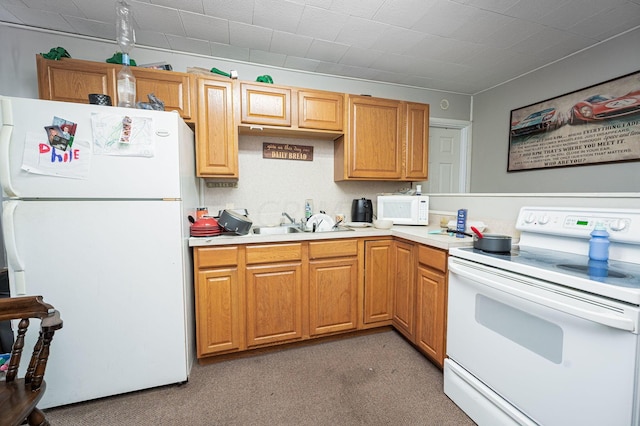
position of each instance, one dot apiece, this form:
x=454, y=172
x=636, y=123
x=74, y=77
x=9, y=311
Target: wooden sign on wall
x=285, y=151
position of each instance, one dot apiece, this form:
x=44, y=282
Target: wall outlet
x=222, y=184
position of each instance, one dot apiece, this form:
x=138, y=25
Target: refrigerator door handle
x=13, y=258
x=5, y=169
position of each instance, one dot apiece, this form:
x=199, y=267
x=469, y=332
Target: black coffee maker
x=362, y=210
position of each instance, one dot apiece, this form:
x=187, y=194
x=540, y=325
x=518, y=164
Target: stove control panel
x=588, y=222
x=622, y=224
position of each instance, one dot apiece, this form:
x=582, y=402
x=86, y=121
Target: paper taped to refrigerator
x=41, y=158
x=123, y=135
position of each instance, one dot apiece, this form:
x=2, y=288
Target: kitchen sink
x=282, y=230
x=274, y=230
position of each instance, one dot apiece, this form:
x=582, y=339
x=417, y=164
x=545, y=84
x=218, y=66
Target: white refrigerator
x=101, y=231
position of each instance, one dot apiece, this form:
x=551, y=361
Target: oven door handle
x=614, y=321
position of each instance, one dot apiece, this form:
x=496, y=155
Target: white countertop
x=418, y=234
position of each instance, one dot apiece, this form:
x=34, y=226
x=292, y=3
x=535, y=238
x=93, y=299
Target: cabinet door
x=265, y=104
x=216, y=135
x=404, y=294
x=333, y=298
x=417, y=141
x=274, y=303
x=320, y=110
x=378, y=282
x=374, y=138
x=170, y=87
x=218, y=316
x=430, y=324
x=71, y=80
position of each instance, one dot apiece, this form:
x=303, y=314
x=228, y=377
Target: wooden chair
x=19, y=396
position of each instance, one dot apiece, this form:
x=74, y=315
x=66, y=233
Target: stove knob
x=617, y=225
x=530, y=218
x=543, y=220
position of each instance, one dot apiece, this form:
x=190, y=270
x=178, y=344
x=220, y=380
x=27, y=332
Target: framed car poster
x=598, y=124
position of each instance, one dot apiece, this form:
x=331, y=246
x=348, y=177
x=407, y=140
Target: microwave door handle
x=613, y=321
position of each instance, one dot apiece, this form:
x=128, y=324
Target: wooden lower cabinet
x=431, y=306
x=250, y=296
x=378, y=282
x=429, y=335
x=404, y=291
x=218, y=294
x=274, y=293
x=274, y=303
x=333, y=286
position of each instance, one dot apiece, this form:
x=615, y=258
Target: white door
x=444, y=160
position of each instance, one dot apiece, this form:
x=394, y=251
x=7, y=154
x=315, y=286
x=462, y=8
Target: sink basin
x=274, y=230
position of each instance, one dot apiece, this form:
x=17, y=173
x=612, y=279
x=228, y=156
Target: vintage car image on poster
x=599, y=124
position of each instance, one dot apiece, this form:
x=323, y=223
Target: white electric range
x=541, y=334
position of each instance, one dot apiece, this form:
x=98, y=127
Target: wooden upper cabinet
x=72, y=80
x=320, y=110
x=173, y=88
x=385, y=139
x=265, y=104
x=290, y=111
x=416, y=141
x=216, y=135
x=372, y=145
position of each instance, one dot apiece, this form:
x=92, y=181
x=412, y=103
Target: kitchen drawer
x=207, y=257
x=270, y=253
x=434, y=258
x=333, y=248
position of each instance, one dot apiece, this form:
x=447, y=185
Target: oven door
x=559, y=356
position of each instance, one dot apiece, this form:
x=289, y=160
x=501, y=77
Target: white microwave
x=404, y=209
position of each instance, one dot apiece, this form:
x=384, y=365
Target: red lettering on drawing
x=44, y=148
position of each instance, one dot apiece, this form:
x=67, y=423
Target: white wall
x=491, y=113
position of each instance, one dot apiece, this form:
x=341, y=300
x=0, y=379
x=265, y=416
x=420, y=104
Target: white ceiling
x=463, y=46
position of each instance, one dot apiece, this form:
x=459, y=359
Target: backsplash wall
x=268, y=187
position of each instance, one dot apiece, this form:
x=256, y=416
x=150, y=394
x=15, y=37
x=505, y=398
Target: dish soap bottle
x=599, y=243
x=126, y=38
x=308, y=208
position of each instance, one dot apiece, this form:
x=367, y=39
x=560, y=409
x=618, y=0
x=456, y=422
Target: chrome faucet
x=289, y=217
